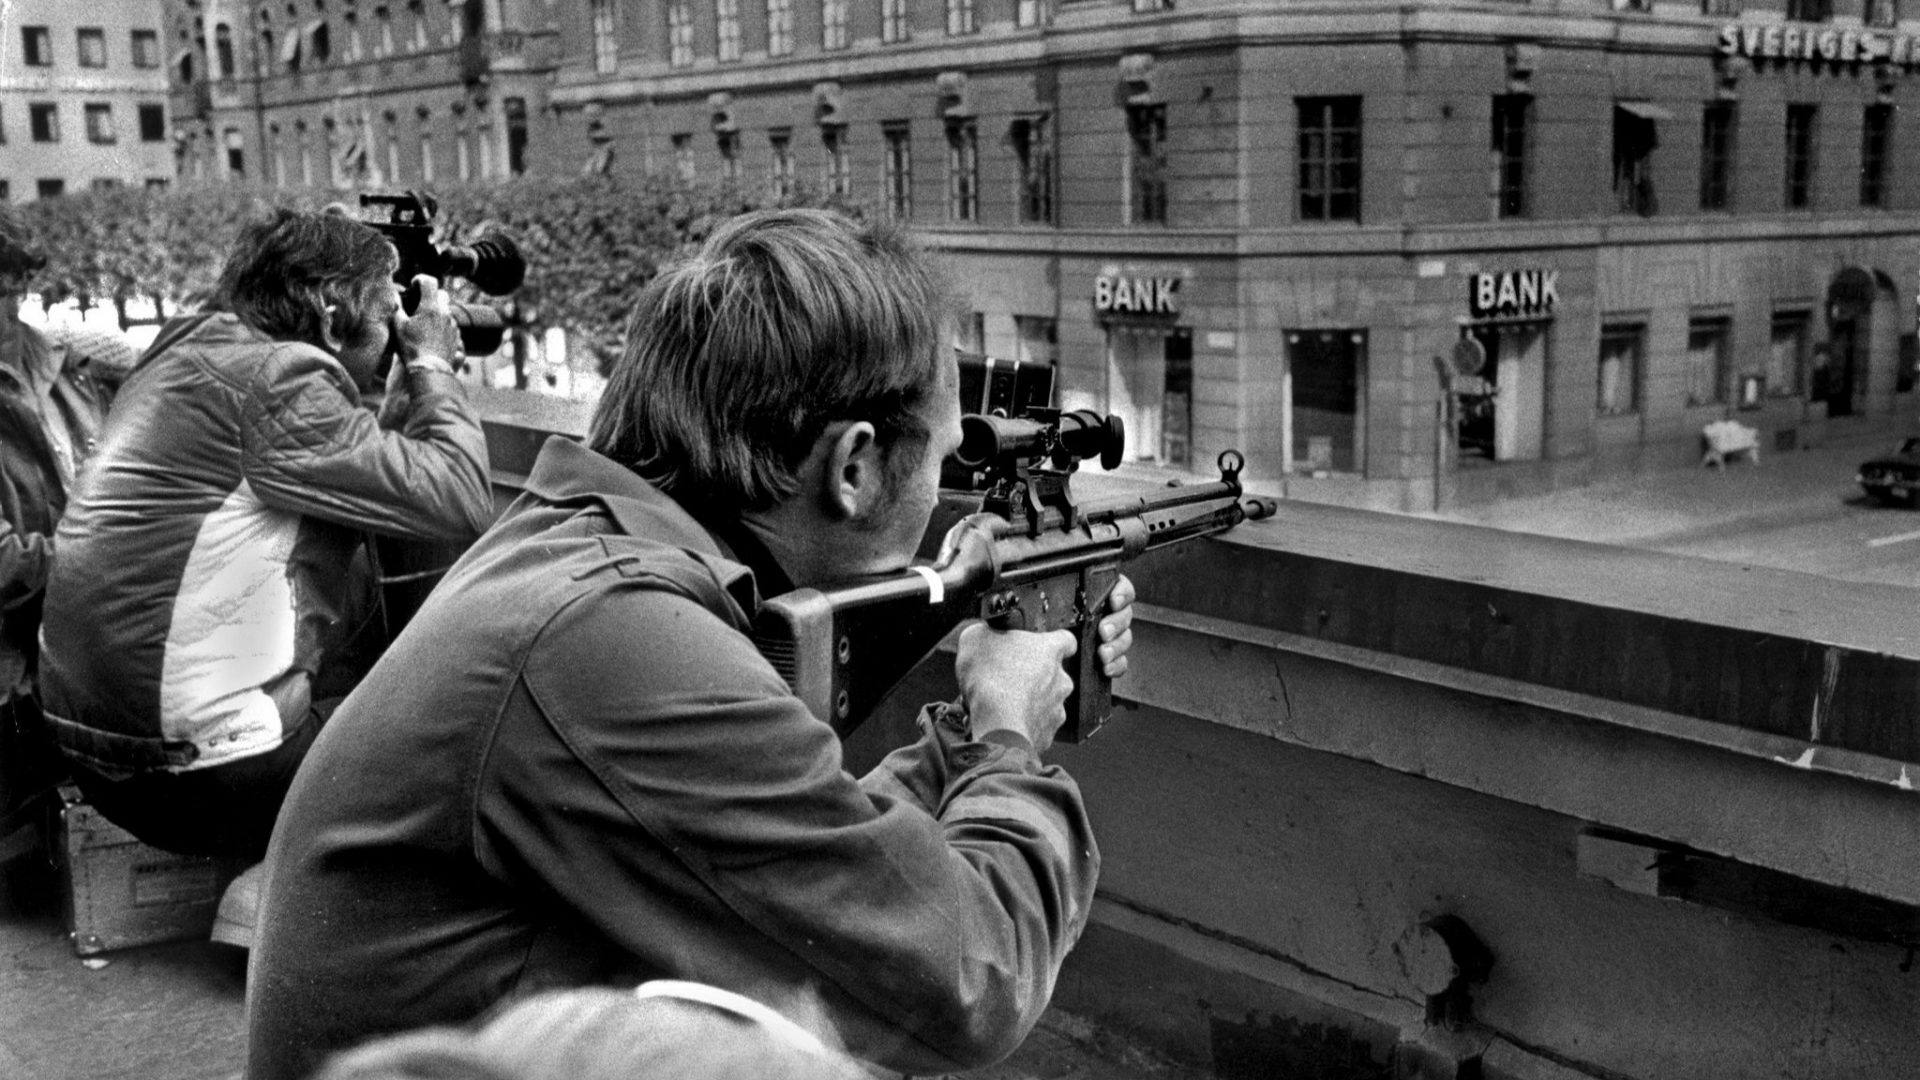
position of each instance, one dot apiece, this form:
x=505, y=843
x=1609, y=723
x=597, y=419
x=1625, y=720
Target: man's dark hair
x=739, y=357
x=285, y=270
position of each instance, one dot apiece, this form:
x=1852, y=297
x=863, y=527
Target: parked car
x=1896, y=476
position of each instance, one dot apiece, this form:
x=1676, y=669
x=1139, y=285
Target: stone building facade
x=83, y=98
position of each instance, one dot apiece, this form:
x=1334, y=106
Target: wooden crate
x=118, y=892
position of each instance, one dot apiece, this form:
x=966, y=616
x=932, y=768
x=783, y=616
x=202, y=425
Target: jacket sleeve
x=932, y=935
x=306, y=446
x=25, y=559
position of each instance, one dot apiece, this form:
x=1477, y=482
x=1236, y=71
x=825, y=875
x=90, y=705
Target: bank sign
x=1512, y=292
x=1116, y=294
x=1845, y=45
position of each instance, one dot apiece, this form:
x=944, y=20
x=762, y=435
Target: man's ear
x=852, y=476
x=333, y=327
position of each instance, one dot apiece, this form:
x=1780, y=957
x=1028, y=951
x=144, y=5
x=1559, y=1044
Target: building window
x=1882, y=13
x=728, y=143
x=1142, y=7
x=223, y=51
x=1636, y=132
x=839, y=176
x=352, y=49
x=683, y=163
x=418, y=10
x=36, y=45
x=49, y=189
x=1787, y=352
x=1799, y=171
x=146, y=49
x=236, y=154
x=963, y=169
x=1512, y=116
x=99, y=119
x=154, y=183
x=780, y=166
x=516, y=112
x=1716, y=155
x=833, y=24
x=1030, y=12
x=93, y=46
x=1709, y=348
x=1719, y=7
x=960, y=17
x=1876, y=140
x=1147, y=163
x=105, y=183
x=43, y=121
x=893, y=21
x=606, y=46
x=426, y=151
x=1622, y=346
x=1329, y=158
x=153, y=122
x=320, y=41
x=303, y=152
x=779, y=27
x=897, y=177
x=679, y=33
x=1809, y=10
x=726, y=21
x=1033, y=147
x=383, y=22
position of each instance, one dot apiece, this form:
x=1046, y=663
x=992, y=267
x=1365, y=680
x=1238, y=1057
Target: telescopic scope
x=1075, y=436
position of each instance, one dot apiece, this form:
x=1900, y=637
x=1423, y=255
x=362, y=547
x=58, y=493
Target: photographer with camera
x=574, y=768
x=215, y=556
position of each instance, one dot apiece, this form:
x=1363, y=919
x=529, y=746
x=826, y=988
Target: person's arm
x=934, y=940
x=25, y=560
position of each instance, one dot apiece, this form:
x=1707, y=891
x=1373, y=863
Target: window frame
x=1719, y=150
x=1511, y=134
x=1720, y=378
x=152, y=119
x=1801, y=128
x=43, y=121
x=837, y=179
x=90, y=39
x=143, y=47
x=1035, y=192
x=779, y=27
x=1147, y=163
x=780, y=176
x=962, y=18
x=36, y=46
x=835, y=33
x=894, y=24
x=963, y=169
x=1317, y=161
x=1799, y=322
x=679, y=33
x=1634, y=332
x=1876, y=153
x=896, y=169
x=1635, y=138
x=727, y=31
x=603, y=23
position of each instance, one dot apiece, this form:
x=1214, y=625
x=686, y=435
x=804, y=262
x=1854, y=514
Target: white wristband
x=429, y=363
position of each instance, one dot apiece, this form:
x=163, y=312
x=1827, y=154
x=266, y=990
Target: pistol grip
x=1091, y=702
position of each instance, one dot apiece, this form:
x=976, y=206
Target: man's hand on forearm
x=430, y=332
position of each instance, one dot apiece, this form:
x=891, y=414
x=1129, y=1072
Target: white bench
x=1725, y=438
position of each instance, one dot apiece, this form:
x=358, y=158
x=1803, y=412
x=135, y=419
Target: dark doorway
x=1326, y=368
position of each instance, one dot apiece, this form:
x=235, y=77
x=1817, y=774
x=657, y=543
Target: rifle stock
x=844, y=647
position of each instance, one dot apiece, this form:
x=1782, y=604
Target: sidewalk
x=1671, y=506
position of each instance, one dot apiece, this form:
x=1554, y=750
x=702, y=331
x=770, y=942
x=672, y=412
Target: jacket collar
x=567, y=472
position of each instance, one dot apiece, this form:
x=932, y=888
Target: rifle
x=1031, y=557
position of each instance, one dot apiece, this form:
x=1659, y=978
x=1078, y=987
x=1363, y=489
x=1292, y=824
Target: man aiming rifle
x=574, y=767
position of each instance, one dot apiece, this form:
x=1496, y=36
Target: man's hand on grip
x=1116, y=629
x=430, y=330
x=1015, y=680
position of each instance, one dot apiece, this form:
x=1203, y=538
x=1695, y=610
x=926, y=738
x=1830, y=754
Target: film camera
x=492, y=263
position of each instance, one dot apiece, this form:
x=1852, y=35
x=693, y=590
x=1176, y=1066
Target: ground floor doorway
x=1149, y=385
x=1502, y=408
x=1326, y=370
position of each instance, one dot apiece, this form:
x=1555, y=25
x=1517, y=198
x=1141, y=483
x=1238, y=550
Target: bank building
x=1421, y=251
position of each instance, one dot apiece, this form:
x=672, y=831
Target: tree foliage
x=590, y=243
